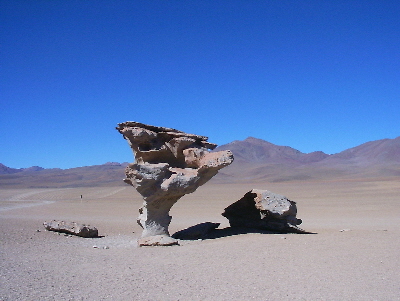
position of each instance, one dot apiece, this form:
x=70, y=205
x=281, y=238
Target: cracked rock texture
x=168, y=164
x=264, y=210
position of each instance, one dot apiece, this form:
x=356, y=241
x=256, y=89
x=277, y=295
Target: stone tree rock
x=168, y=164
x=264, y=210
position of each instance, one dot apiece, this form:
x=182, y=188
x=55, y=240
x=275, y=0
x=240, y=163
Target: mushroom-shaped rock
x=168, y=164
x=264, y=210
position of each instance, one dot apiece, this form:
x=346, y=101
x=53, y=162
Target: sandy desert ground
x=354, y=254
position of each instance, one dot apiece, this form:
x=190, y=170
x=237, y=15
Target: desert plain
x=353, y=253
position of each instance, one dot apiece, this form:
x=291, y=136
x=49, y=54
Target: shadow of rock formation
x=209, y=230
x=258, y=211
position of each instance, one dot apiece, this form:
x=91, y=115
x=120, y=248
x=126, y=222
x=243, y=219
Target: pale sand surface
x=360, y=263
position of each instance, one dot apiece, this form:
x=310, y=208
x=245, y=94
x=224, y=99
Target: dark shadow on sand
x=209, y=230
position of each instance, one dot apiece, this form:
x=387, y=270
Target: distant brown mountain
x=385, y=151
x=8, y=170
x=259, y=160
x=108, y=174
x=255, y=160
x=253, y=150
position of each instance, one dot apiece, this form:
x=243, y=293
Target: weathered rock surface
x=72, y=228
x=264, y=210
x=168, y=164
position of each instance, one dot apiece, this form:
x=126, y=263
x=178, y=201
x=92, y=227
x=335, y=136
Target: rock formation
x=264, y=210
x=168, y=164
x=72, y=228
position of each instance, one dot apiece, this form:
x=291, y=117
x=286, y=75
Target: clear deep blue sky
x=311, y=74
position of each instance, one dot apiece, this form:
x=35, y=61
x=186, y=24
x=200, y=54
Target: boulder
x=168, y=164
x=72, y=228
x=264, y=210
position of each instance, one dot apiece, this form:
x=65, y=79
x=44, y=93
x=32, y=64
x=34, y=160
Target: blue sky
x=313, y=75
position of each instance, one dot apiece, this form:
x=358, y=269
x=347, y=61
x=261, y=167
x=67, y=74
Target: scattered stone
x=72, y=228
x=168, y=164
x=199, y=231
x=344, y=230
x=157, y=240
x=264, y=210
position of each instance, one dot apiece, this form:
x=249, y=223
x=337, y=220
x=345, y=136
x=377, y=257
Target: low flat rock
x=72, y=228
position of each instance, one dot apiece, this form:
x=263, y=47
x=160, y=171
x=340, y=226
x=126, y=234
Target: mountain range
x=256, y=160
x=259, y=160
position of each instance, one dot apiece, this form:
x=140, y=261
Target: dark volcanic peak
x=7, y=170
x=112, y=164
x=32, y=169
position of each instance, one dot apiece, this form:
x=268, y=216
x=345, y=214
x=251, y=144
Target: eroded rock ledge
x=168, y=164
